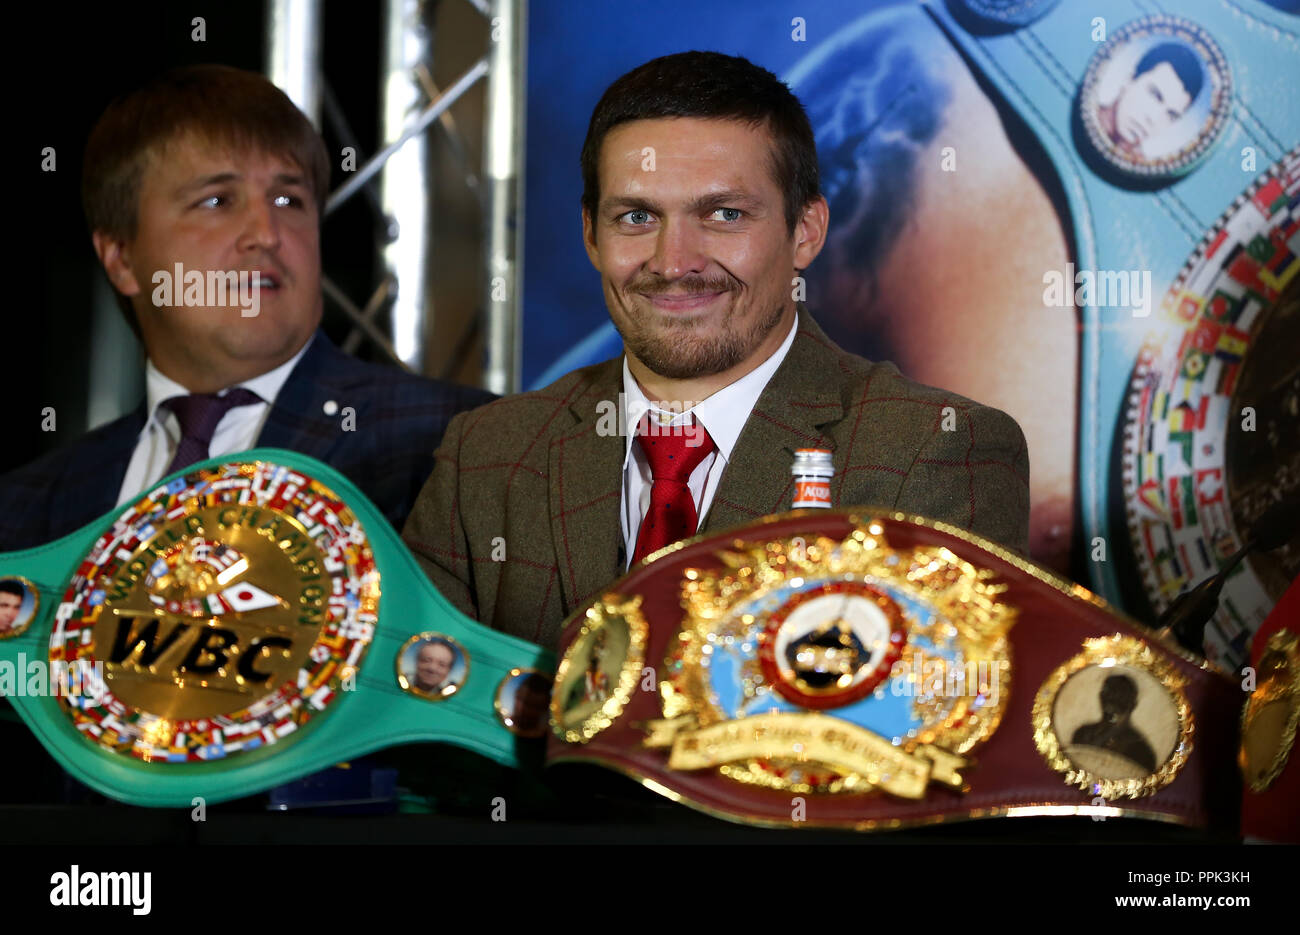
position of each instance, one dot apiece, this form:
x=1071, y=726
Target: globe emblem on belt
x=205, y=578
x=832, y=645
x=829, y=656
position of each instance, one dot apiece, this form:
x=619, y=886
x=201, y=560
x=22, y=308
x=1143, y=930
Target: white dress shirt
x=237, y=431
x=723, y=415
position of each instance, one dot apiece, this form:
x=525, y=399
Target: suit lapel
x=586, y=483
x=108, y=456
x=794, y=411
x=297, y=420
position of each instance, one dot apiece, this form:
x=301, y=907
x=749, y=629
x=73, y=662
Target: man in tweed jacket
x=701, y=205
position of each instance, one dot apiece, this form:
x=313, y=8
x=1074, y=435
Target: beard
x=684, y=348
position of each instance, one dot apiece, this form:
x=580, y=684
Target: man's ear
x=810, y=232
x=589, y=238
x=114, y=254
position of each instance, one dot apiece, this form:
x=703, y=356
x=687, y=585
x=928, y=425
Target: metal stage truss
x=410, y=105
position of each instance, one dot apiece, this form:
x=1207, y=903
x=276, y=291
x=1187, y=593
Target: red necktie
x=673, y=452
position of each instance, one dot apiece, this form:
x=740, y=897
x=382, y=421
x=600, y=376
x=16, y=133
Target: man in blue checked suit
x=203, y=192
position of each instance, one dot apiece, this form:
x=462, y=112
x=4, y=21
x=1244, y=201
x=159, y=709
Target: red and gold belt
x=827, y=669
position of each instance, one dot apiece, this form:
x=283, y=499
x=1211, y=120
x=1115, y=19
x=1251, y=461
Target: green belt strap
x=245, y=620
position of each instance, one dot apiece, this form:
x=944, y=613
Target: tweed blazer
x=519, y=523
x=399, y=420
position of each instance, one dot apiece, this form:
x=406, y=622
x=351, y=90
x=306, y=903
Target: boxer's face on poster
x=1150, y=104
x=211, y=210
x=691, y=242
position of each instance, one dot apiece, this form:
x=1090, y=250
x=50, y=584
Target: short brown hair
x=221, y=105
x=711, y=85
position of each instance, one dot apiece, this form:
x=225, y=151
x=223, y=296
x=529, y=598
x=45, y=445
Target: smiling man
x=203, y=192
x=701, y=207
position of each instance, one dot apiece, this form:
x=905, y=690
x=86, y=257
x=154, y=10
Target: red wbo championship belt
x=872, y=671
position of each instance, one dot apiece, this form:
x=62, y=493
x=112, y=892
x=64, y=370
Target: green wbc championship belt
x=244, y=623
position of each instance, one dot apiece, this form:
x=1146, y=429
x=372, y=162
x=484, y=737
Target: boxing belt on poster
x=874, y=671
x=243, y=623
x=1208, y=210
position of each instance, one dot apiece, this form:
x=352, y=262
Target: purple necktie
x=198, y=415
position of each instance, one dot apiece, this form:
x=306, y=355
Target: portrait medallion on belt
x=1155, y=98
x=20, y=604
x=432, y=666
x=1114, y=719
x=600, y=669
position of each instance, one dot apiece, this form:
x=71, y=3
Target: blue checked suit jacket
x=400, y=419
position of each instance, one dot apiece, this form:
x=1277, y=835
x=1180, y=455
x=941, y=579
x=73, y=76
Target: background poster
x=964, y=184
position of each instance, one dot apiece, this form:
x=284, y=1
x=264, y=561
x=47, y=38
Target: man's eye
x=286, y=201
x=729, y=214
x=211, y=201
x=637, y=216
